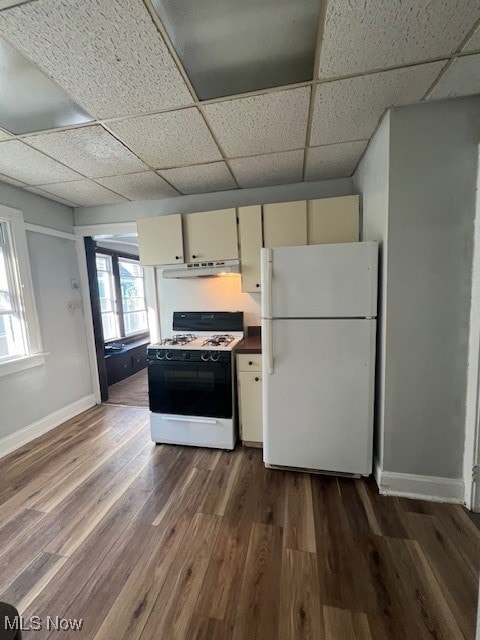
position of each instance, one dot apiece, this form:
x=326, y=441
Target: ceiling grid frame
x=176, y=59
x=460, y=52
x=313, y=91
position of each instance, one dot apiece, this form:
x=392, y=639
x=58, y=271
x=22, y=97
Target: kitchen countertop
x=250, y=344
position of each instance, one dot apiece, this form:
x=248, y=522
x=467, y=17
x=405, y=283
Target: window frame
x=114, y=301
x=136, y=334
x=116, y=256
x=21, y=273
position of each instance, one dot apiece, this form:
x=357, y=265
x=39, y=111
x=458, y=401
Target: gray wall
x=131, y=211
x=30, y=395
x=37, y=210
x=433, y=172
x=372, y=180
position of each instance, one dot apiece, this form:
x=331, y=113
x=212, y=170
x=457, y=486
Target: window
x=20, y=345
x=108, y=301
x=13, y=340
x=133, y=296
x=122, y=296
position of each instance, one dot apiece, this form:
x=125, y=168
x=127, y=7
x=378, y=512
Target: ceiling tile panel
x=21, y=162
x=350, y=109
x=462, y=78
x=41, y=192
x=108, y=55
x=258, y=124
x=378, y=34
x=139, y=186
x=202, y=178
x=84, y=193
x=89, y=150
x=270, y=169
x=169, y=139
x=473, y=43
x=333, y=160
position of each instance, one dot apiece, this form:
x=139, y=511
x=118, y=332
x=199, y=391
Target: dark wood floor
x=132, y=392
x=179, y=543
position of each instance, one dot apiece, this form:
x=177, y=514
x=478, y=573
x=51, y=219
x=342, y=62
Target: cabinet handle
x=177, y=257
x=193, y=257
x=257, y=285
x=257, y=379
x=250, y=363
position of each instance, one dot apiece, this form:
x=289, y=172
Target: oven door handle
x=180, y=419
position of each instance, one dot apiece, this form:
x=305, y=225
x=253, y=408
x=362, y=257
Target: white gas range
x=191, y=380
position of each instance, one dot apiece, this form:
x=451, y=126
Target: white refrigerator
x=319, y=308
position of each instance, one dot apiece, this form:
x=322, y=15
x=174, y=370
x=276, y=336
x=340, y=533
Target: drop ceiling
x=151, y=82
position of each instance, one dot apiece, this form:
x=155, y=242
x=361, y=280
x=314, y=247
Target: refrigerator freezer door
x=318, y=400
x=320, y=281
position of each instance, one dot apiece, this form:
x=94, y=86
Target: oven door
x=191, y=388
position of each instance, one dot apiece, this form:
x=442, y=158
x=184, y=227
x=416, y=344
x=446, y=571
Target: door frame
x=85, y=231
x=471, y=459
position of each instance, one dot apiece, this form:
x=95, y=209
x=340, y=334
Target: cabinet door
x=250, y=403
x=211, y=235
x=160, y=240
x=250, y=231
x=333, y=220
x=285, y=224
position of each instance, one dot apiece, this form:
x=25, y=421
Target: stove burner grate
x=219, y=340
x=178, y=339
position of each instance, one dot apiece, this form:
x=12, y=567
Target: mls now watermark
x=51, y=623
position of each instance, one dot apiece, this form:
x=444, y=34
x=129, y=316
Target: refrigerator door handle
x=268, y=283
x=269, y=344
x=267, y=305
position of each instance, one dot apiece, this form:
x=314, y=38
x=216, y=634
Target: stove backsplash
x=222, y=293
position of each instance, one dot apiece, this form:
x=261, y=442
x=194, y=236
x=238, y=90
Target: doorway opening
x=120, y=317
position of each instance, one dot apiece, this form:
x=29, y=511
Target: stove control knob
x=214, y=356
x=160, y=355
x=186, y=356
x=204, y=356
x=169, y=355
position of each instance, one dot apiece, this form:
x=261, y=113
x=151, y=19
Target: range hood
x=198, y=269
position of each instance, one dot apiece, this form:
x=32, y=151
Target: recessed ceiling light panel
x=29, y=100
x=235, y=46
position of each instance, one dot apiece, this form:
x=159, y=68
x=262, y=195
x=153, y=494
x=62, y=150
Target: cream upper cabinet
x=285, y=224
x=160, y=240
x=250, y=232
x=333, y=220
x=211, y=235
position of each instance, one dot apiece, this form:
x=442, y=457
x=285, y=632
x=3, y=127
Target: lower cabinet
x=249, y=381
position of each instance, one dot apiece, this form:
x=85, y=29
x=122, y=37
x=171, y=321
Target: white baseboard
x=406, y=485
x=19, y=438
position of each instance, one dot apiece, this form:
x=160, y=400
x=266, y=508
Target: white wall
x=31, y=395
x=221, y=293
x=372, y=181
x=131, y=211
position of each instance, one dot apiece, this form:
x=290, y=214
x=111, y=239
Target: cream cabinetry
x=285, y=224
x=332, y=220
x=250, y=235
x=249, y=380
x=211, y=235
x=215, y=235
x=160, y=240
